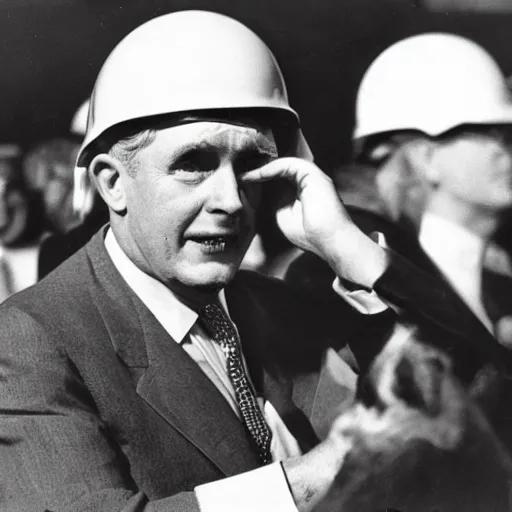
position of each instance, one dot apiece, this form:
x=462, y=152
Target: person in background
x=20, y=225
x=84, y=204
x=433, y=118
x=48, y=172
x=446, y=162
x=356, y=185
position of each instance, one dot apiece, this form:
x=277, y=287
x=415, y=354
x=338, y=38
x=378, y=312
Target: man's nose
x=225, y=193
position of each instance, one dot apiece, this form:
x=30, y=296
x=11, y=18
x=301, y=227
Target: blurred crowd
x=36, y=202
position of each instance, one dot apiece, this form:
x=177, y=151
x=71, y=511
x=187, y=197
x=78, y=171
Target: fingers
x=291, y=169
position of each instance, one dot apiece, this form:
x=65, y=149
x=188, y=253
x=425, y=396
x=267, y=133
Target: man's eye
x=195, y=167
x=192, y=175
x=188, y=167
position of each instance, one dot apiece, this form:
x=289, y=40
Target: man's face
x=475, y=167
x=189, y=218
x=401, y=189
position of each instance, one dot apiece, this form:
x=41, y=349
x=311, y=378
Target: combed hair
x=126, y=149
x=122, y=142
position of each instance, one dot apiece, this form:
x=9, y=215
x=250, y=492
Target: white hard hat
x=79, y=121
x=186, y=61
x=432, y=83
x=83, y=189
x=83, y=192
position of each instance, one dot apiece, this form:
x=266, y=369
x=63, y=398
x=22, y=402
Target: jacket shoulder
x=60, y=295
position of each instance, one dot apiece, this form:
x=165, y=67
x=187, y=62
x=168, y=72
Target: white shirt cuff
x=368, y=303
x=260, y=490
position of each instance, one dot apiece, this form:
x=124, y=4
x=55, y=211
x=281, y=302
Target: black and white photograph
x=256, y=256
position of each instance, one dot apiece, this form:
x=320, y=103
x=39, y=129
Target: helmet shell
x=181, y=62
x=79, y=122
x=432, y=83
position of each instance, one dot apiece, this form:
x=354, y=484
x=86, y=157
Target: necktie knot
x=219, y=325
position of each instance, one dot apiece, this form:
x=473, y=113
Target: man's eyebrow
x=194, y=146
x=188, y=150
x=260, y=145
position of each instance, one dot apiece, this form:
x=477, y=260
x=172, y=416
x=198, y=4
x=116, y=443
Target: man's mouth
x=213, y=244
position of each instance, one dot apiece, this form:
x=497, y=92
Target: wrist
x=311, y=476
x=356, y=257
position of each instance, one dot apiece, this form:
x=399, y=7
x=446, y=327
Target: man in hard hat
x=146, y=372
x=433, y=117
x=93, y=214
x=437, y=108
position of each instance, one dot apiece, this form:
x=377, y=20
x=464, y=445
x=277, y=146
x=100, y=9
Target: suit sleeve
x=55, y=452
x=421, y=294
x=430, y=303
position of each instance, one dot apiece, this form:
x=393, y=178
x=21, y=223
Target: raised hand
x=313, y=218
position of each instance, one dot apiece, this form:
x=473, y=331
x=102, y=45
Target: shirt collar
x=176, y=318
x=448, y=243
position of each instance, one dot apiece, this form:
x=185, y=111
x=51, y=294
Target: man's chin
x=211, y=277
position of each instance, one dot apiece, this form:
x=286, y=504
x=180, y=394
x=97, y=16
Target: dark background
x=51, y=51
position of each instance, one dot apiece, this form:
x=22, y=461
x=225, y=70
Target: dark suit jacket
x=428, y=301
x=101, y=410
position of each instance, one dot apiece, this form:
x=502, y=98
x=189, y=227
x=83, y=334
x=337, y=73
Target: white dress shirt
x=458, y=254
x=18, y=269
x=366, y=302
x=181, y=324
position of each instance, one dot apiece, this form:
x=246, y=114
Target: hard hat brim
x=501, y=115
x=93, y=136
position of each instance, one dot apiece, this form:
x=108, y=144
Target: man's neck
x=480, y=220
x=194, y=298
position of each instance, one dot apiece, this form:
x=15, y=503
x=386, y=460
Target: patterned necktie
x=223, y=332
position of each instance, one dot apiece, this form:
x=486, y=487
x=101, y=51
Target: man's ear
x=106, y=173
x=420, y=154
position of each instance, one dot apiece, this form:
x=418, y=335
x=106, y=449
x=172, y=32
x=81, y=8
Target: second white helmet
x=431, y=83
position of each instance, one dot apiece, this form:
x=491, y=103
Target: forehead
x=478, y=133
x=216, y=135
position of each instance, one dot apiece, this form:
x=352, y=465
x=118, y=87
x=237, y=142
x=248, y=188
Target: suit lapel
x=184, y=396
x=255, y=320
x=166, y=378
